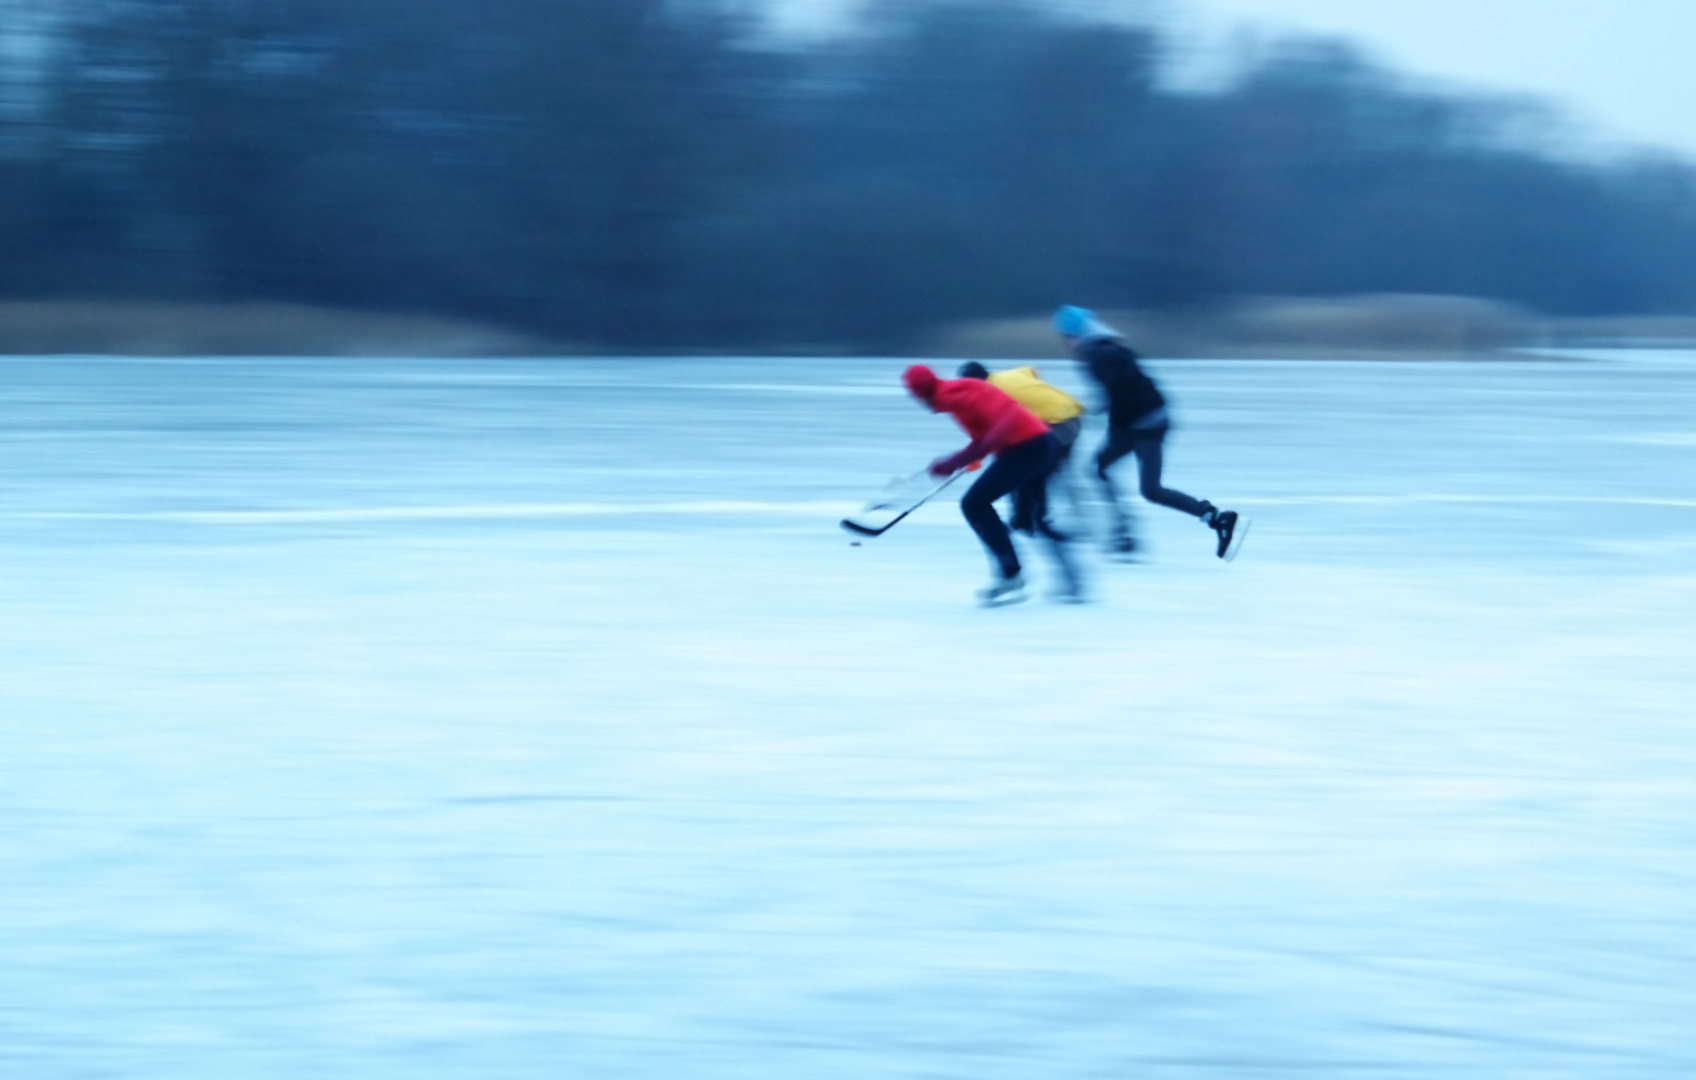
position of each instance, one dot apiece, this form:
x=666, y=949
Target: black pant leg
x=1010, y=470
x=1117, y=445
x=1030, y=498
x=1147, y=446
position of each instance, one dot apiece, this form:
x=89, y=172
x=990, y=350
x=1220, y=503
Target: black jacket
x=1131, y=395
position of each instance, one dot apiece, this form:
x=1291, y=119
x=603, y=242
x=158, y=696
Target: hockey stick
x=878, y=530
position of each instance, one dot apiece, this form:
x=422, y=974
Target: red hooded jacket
x=993, y=420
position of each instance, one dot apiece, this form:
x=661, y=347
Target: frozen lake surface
x=534, y=719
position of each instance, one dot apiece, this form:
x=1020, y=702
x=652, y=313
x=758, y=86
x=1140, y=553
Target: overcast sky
x=1626, y=69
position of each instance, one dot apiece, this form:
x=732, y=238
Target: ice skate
x=1071, y=592
x=1230, y=528
x=1003, y=591
x=1070, y=588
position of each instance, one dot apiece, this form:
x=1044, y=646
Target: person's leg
x=1227, y=525
x=1011, y=469
x=1027, y=507
x=1065, y=437
x=1030, y=499
x=1072, y=582
x=1146, y=444
x=1118, y=444
x=1071, y=579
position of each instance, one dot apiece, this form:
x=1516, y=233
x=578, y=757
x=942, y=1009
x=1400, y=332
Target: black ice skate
x=1230, y=529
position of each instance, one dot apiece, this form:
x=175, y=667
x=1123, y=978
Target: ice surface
x=524, y=719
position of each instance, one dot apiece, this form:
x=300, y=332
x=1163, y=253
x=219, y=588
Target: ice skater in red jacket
x=1025, y=451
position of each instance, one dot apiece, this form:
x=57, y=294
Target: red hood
x=921, y=382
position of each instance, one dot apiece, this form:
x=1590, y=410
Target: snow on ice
x=506, y=719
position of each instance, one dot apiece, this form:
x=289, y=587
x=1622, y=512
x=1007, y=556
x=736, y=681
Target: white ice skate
x=1003, y=591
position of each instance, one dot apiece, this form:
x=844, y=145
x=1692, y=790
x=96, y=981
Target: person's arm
x=1109, y=366
x=992, y=440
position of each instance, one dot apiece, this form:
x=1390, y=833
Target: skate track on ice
x=523, y=719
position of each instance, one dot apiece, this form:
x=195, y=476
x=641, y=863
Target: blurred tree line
x=653, y=174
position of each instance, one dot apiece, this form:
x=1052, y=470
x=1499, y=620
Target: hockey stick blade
x=878, y=530
x=867, y=530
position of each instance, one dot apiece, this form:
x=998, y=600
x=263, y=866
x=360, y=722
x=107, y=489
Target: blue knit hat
x=1081, y=323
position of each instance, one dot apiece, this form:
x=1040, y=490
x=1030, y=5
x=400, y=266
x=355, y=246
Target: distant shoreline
x=137, y=328
x=1395, y=327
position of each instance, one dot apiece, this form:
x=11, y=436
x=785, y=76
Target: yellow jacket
x=1052, y=406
